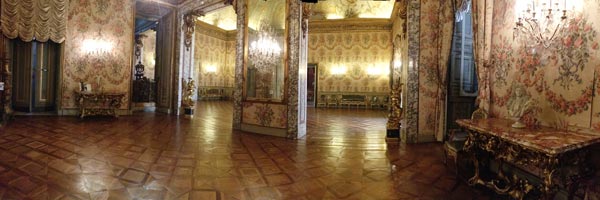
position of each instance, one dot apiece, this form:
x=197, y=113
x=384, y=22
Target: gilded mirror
x=265, y=50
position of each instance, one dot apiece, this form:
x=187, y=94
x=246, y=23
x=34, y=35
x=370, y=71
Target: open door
x=311, y=85
x=35, y=72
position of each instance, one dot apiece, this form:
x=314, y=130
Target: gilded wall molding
x=343, y=25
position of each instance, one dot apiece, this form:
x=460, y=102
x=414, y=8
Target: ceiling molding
x=341, y=25
x=203, y=6
x=214, y=31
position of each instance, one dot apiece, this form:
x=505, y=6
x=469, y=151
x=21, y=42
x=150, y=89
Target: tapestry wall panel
x=356, y=53
x=105, y=20
x=265, y=114
x=560, y=78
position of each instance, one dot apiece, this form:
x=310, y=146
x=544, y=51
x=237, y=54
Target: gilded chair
x=374, y=102
x=456, y=140
x=332, y=100
x=322, y=102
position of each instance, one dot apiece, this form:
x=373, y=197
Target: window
x=463, y=75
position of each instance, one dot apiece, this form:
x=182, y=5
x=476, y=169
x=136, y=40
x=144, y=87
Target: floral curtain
x=446, y=15
x=41, y=20
x=482, y=11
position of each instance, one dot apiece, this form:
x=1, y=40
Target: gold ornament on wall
x=190, y=87
x=395, y=114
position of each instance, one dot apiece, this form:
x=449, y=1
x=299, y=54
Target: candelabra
x=265, y=52
x=541, y=22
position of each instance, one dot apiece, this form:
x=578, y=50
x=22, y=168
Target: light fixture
x=377, y=71
x=338, y=71
x=97, y=47
x=264, y=52
x=211, y=69
x=540, y=22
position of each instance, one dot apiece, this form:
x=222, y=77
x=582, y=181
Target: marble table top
x=544, y=139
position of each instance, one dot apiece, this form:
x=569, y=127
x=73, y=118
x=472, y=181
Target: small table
x=98, y=103
x=556, y=156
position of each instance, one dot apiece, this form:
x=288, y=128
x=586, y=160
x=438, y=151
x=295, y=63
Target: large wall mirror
x=265, y=48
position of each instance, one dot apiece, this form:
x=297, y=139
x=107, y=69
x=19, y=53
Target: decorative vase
x=518, y=123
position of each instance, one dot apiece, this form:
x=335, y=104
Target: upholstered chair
x=332, y=100
x=374, y=102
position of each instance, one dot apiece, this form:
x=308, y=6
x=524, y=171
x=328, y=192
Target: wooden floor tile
x=158, y=156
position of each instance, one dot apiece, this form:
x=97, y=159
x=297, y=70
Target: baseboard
x=426, y=138
x=264, y=130
x=163, y=110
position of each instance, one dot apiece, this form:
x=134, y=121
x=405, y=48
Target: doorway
x=35, y=70
x=311, y=85
x=144, y=81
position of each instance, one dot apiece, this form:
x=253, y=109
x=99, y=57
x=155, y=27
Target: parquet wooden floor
x=156, y=156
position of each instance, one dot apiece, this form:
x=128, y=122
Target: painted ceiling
x=325, y=9
x=348, y=9
x=224, y=18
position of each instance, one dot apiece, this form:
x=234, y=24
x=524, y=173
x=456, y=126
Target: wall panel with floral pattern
x=561, y=78
x=214, y=52
x=108, y=20
x=265, y=114
x=356, y=51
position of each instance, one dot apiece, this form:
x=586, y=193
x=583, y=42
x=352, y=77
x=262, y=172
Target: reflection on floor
x=155, y=156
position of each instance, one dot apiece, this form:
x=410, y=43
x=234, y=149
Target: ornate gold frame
x=285, y=60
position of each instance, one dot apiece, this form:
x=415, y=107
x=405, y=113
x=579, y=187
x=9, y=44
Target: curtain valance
x=41, y=20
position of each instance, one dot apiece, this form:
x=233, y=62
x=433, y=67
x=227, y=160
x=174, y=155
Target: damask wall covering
x=109, y=20
x=427, y=45
x=563, y=78
x=214, y=57
x=358, y=51
x=436, y=27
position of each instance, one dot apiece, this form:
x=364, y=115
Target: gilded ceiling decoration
x=224, y=18
x=345, y=9
x=270, y=12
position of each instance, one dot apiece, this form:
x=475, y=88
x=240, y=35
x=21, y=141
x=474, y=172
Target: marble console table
x=558, y=157
x=98, y=103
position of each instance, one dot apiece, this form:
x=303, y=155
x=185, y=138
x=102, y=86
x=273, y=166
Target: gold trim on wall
x=344, y=25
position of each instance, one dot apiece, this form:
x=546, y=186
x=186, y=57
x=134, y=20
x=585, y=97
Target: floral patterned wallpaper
x=357, y=51
x=435, y=31
x=562, y=78
x=265, y=114
x=214, y=52
x=108, y=20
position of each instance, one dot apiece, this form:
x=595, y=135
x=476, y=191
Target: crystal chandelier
x=540, y=22
x=265, y=52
